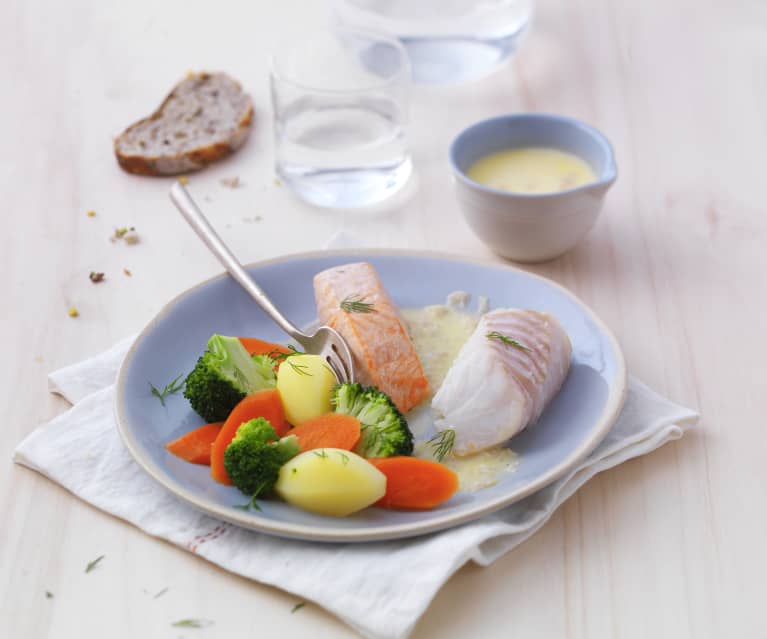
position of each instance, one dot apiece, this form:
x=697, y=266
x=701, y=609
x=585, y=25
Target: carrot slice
x=415, y=484
x=194, y=447
x=256, y=346
x=264, y=403
x=331, y=430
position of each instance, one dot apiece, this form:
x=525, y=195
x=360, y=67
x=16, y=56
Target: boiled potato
x=305, y=383
x=330, y=481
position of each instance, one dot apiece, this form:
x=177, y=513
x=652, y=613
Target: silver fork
x=324, y=341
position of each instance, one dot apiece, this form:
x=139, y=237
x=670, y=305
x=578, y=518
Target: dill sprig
x=170, y=389
x=298, y=606
x=92, y=564
x=301, y=369
x=443, y=443
x=253, y=503
x=357, y=304
x=505, y=339
x=192, y=623
x=281, y=358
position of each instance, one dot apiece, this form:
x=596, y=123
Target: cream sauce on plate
x=438, y=333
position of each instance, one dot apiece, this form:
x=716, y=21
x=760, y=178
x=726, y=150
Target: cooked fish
x=505, y=374
x=352, y=300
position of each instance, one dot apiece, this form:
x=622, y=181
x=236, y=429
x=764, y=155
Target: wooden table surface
x=668, y=545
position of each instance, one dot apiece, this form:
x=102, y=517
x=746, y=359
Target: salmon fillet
x=384, y=355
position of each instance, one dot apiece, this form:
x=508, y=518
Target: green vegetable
x=255, y=456
x=224, y=375
x=385, y=432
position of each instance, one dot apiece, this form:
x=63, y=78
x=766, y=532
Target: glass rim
x=404, y=72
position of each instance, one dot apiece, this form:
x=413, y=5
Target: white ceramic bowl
x=531, y=227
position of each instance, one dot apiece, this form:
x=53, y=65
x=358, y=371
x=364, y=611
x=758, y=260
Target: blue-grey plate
x=570, y=427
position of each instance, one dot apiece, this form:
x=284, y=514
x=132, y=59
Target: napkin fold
x=363, y=584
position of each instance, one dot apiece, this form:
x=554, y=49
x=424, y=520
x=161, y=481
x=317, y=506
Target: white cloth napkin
x=364, y=584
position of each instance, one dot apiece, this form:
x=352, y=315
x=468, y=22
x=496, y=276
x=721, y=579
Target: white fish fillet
x=494, y=389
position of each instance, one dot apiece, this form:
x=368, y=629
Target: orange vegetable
x=194, y=447
x=264, y=403
x=256, y=346
x=415, y=484
x=331, y=430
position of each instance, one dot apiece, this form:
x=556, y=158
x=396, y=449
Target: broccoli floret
x=223, y=375
x=255, y=455
x=385, y=432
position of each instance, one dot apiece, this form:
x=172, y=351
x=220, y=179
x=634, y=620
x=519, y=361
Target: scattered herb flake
x=295, y=471
x=93, y=564
x=73, y=312
x=182, y=178
x=161, y=593
x=505, y=339
x=170, y=389
x=119, y=233
x=192, y=623
x=96, y=277
x=344, y=458
x=91, y=213
x=48, y=594
x=321, y=453
x=443, y=443
x=298, y=607
x=357, y=304
x=277, y=182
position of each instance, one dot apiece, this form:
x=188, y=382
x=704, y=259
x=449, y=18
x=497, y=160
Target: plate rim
x=254, y=521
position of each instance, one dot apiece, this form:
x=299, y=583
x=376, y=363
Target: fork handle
x=194, y=216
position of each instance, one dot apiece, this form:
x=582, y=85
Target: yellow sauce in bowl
x=532, y=170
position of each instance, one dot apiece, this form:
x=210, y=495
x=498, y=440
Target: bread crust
x=188, y=161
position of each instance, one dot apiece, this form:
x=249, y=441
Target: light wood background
x=669, y=545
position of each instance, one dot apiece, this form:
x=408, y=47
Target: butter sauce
x=532, y=170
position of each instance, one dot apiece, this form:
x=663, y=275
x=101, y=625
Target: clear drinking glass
x=448, y=41
x=340, y=109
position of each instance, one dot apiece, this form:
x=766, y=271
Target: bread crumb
x=91, y=213
x=183, y=179
x=127, y=272
x=96, y=277
x=131, y=237
x=73, y=312
x=232, y=183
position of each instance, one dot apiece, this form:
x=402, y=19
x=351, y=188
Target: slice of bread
x=205, y=117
